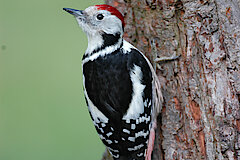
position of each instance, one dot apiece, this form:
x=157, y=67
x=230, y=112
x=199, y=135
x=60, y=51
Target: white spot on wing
x=109, y=134
x=126, y=131
x=109, y=141
x=136, y=147
x=103, y=138
x=133, y=126
x=113, y=150
x=141, y=134
x=136, y=106
x=131, y=139
x=101, y=130
x=140, y=154
x=141, y=119
x=137, y=121
x=150, y=102
x=145, y=103
x=115, y=156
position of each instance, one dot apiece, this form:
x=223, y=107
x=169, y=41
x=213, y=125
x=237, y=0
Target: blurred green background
x=43, y=115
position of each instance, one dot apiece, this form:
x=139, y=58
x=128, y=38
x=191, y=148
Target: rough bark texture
x=200, y=118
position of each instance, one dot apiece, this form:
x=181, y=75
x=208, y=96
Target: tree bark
x=200, y=118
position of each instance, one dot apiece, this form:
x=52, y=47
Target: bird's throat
x=100, y=42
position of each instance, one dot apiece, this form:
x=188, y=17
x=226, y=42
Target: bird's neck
x=94, y=42
x=103, y=42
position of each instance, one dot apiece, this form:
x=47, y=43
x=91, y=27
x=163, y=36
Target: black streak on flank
x=108, y=40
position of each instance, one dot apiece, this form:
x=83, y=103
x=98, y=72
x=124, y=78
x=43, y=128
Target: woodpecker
x=120, y=85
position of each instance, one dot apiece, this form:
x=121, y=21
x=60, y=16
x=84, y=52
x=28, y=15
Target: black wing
x=108, y=83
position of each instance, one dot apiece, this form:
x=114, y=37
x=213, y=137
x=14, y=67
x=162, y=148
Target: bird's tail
x=157, y=107
x=157, y=93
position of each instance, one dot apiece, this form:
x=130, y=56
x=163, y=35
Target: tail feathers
x=157, y=94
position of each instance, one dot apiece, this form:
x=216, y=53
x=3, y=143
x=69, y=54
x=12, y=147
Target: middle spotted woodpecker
x=120, y=85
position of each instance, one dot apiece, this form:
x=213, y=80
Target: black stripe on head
x=108, y=40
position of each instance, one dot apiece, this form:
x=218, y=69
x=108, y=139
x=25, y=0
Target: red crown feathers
x=112, y=10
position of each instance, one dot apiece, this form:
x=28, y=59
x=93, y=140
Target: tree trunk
x=200, y=118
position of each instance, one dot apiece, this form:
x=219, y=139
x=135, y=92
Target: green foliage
x=43, y=115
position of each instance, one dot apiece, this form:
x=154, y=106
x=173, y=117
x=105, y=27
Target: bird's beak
x=74, y=12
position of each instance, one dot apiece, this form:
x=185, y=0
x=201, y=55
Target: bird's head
x=99, y=19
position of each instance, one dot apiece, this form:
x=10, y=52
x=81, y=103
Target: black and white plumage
x=119, y=84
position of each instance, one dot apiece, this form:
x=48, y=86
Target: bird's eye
x=100, y=16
